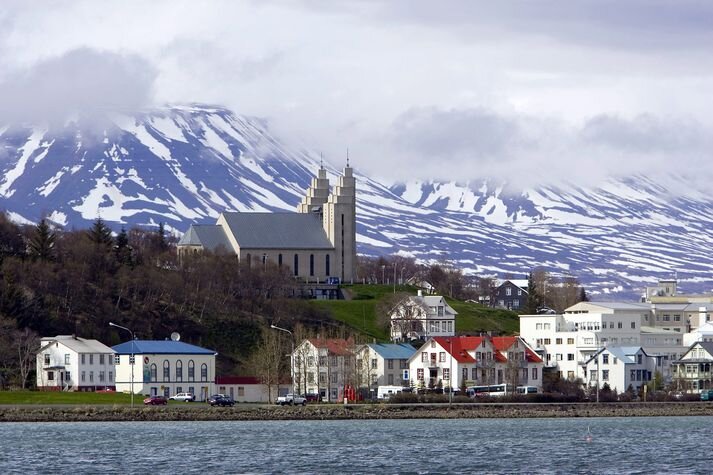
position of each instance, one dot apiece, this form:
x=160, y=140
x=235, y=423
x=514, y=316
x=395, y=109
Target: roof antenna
x=347, y=157
x=321, y=164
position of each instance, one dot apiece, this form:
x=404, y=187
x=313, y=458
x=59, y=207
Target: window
x=91, y=376
x=132, y=359
x=570, y=356
x=333, y=378
x=633, y=324
x=593, y=375
x=83, y=355
x=548, y=341
x=179, y=370
x=442, y=357
x=166, y=370
x=546, y=326
x=279, y=260
x=154, y=373
x=310, y=377
x=524, y=374
x=111, y=376
x=570, y=375
x=404, y=364
x=310, y=360
x=605, y=375
x=446, y=373
x=47, y=359
x=558, y=357
x=101, y=359
x=424, y=357
x=639, y=358
x=117, y=359
x=204, y=372
x=538, y=326
x=570, y=341
x=508, y=291
x=322, y=378
x=66, y=358
x=611, y=324
x=676, y=318
x=473, y=373
x=91, y=358
x=311, y=264
x=191, y=371
x=326, y=265
x=296, y=265
x=84, y=376
x=101, y=376
x=373, y=363
x=534, y=373
x=390, y=364
x=419, y=374
x=558, y=341
x=605, y=359
x=390, y=379
x=618, y=325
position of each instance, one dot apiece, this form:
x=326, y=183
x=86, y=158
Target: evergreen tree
x=161, y=238
x=534, y=299
x=122, y=250
x=42, y=242
x=583, y=297
x=100, y=234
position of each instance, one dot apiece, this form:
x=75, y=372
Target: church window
x=248, y=258
x=326, y=264
x=279, y=260
x=297, y=265
x=311, y=264
x=264, y=260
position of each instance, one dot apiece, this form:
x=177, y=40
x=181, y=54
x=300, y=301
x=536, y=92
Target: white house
x=250, y=389
x=324, y=366
x=421, y=317
x=71, y=363
x=383, y=364
x=619, y=367
x=474, y=361
x=702, y=333
x=692, y=373
x=165, y=367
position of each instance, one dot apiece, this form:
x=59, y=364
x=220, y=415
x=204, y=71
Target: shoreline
x=28, y=413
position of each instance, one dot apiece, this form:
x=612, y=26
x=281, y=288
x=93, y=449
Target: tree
x=122, y=249
x=42, y=242
x=583, y=297
x=267, y=360
x=100, y=234
x=403, y=313
x=534, y=300
x=26, y=343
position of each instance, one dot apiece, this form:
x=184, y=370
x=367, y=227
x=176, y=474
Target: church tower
x=316, y=195
x=339, y=220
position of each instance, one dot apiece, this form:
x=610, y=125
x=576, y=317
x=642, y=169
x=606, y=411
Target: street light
x=450, y=372
x=132, y=361
x=394, y=277
x=292, y=357
x=383, y=279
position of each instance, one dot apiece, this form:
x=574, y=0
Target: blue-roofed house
x=317, y=243
x=619, y=367
x=384, y=364
x=165, y=368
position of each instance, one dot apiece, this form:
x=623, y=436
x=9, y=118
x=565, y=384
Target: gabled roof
x=160, y=347
x=622, y=353
x=336, y=346
x=521, y=283
x=706, y=345
x=210, y=236
x=396, y=351
x=458, y=346
x=503, y=343
x=277, y=230
x=77, y=344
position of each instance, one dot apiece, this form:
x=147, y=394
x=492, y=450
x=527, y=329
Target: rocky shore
x=246, y=412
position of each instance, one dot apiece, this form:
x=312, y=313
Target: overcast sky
x=414, y=88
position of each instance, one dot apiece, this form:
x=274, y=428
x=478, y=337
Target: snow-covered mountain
x=186, y=164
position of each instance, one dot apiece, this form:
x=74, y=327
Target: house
x=692, y=372
x=474, y=361
x=383, y=364
x=165, y=368
x=324, y=366
x=250, y=389
x=71, y=363
x=316, y=243
x=619, y=367
x=702, y=333
x=420, y=317
x=566, y=340
x=511, y=294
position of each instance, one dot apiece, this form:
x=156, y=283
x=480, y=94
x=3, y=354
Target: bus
x=526, y=390
x=493, y=390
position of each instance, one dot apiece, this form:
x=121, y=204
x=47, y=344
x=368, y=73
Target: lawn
x=360, y=312
x=62, y=397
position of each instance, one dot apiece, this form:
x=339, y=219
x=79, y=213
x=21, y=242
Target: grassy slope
x=360, y=313
x=60, y=397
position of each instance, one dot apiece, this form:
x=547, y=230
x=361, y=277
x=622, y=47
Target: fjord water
x=618, y=445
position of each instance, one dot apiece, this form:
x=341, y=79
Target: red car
x=155, y=401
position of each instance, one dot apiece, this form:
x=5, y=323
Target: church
x=317, y=243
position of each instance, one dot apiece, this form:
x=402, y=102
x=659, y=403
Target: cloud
x=463, y=144
x=81, y=81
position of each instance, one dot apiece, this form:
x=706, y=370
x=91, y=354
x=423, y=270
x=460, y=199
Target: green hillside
x=359, y=313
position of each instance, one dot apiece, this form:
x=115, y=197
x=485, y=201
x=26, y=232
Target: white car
x=185, y=397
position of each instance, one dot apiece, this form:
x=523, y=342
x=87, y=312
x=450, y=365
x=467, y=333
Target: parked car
x=223, y=401
x=185, y=397
x=214, y=397
x=312, y=397
x=291, y=400
x=707, y=395
x=155, y=401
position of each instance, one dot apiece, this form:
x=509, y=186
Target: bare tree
x=402, y=313
x=268, y=359
x=26, y=343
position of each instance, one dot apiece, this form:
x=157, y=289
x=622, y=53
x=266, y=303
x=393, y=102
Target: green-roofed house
x=316, y=243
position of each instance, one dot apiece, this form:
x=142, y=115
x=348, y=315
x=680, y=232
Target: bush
x=404, y=398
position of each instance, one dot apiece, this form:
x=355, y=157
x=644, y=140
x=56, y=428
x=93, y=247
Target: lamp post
x=292, y=357
x=394, y=277
x=450, y=372
x=132, y=360
x=383, y=278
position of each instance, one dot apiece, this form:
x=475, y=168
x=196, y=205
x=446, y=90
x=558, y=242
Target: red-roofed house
x=324, y=366
x=475, y=361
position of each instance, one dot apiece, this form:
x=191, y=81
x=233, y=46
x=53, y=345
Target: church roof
x=210, y=236
x=278, y=230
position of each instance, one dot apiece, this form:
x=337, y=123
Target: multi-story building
x=619, y=367
x=383, y=364
x=566, y=341
x=165, y=367
x=420, y=317
x=511, y=294
x=473, y=361
x=324, y=366
x=71, y=363
x=692, y=373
